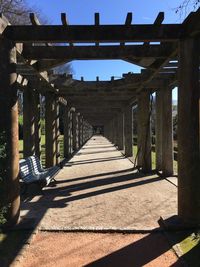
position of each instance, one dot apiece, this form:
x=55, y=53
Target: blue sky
x=111, y=12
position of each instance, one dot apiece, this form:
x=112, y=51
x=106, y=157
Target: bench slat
x=31, y=171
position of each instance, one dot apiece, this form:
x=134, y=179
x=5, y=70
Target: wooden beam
x=191, y=24
x=90, y=33
x=93, y=52
x=127, y=85
x=153, y=74
x=42, y=65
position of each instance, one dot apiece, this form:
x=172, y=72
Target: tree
x=186, y=6
x=65, y=68
x=16, y=11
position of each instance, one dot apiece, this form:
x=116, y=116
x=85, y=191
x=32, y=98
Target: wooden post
x=37, y=124
x=9, y=127
x=144, y=132
x=115, y=128
x=67, y=119
x=167, y=132
x=164, y=131
x=106, y=130
x=188, y=132
x=71, y=131
x=121, y=131
x=82, y=131
x=128, y=131
x=110, y=131
x=74, y=131
x=57, y=128
x=28, y=122
x=158, y=128
x=113, y=131
x=79, y=130
x=50, y=129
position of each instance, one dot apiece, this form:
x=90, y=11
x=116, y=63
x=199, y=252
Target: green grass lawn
x=61, y=144
x=188, y=243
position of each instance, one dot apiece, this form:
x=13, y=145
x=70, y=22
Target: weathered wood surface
x=95, y=52
x=128, y=131
x=9, y=127
x=90, y=33
x=188, y=131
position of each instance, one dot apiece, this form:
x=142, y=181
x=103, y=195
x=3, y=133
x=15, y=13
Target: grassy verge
x=61, y=144
x=153, y=159
x=188, y=243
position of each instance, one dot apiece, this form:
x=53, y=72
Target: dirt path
x=89, y=249
x=98, y=189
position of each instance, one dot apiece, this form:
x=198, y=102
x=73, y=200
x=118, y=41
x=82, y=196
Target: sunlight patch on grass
x=190, y=242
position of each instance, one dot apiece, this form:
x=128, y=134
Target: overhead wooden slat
x=128, y=21
x=34, y=20
x=158, y=21
x=160, y=18
x=96, y=23
x=42, y=65
x=64, y=19
x=96, y=19
x=65, y=23
x=90, y=33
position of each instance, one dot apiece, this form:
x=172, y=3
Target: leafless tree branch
x=186, y=6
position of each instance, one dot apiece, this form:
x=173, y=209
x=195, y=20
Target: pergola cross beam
x=90, y=33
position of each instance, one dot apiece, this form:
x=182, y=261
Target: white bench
x=31, y=171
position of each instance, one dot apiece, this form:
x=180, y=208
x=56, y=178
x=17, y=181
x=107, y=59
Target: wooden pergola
x=169, y=54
